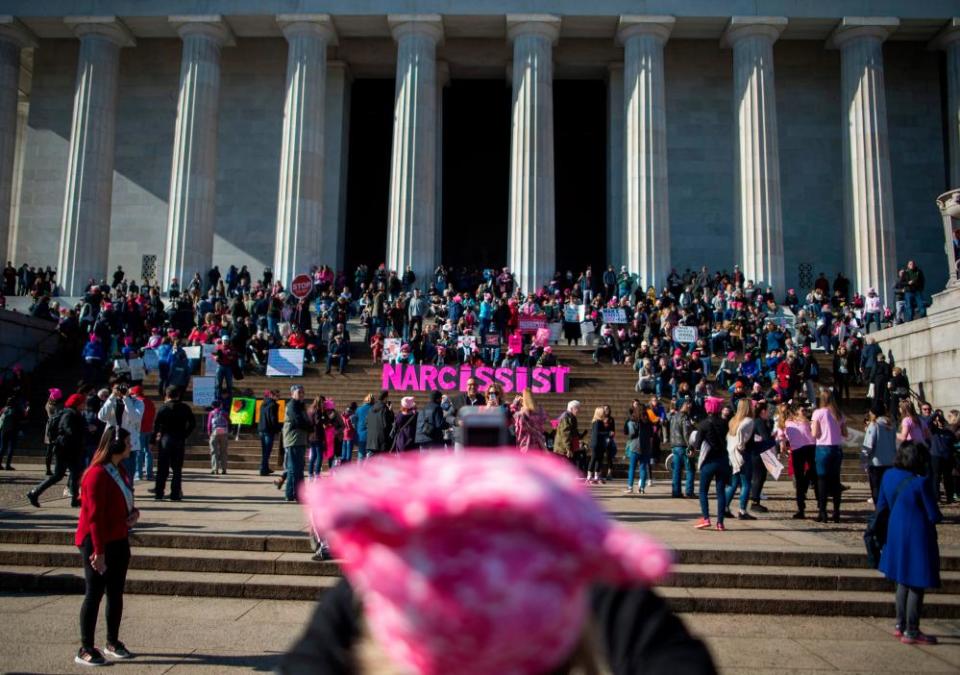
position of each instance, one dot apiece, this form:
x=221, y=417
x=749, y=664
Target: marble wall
x=700, y=137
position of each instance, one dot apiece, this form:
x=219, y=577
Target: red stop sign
x=301, y=286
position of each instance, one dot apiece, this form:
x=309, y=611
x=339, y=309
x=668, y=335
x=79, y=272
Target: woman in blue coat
x=911, y=556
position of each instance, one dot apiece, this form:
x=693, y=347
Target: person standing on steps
x=911, y=555
x=681, y=426
x=740, y=450
x=828, y=427
x=52, y=409
x=172, y=426
x=122, y=411
x=296, y=429
x=218, y=430
x=793, y=433
x=879, y=450
x=763, y=441
x=713, y=463
x=66, y=435
x=106, y=516
x=144, y=459
x=268, y=427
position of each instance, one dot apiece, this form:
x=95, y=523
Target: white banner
x=136, y=370
x=204, y=389
x=193, y=352
x=285, y=363
x=209, y=363
x=685, y=334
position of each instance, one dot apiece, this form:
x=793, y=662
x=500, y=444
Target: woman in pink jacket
x=529, y=420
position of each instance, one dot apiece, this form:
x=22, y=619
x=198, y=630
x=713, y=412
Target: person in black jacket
x=268, y=427
x=379, y=425
x=171, y=427
x=431, y=423
x=67, y=439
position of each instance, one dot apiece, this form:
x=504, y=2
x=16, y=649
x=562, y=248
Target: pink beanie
x=713, y=404
x=478, y=562
x=329, y=404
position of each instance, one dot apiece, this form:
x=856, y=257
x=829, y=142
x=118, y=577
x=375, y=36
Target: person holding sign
x=218, y=429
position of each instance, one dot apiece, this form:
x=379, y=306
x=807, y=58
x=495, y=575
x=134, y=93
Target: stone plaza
x=539, y=135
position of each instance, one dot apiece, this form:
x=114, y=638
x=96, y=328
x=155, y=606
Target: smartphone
x=483, y=427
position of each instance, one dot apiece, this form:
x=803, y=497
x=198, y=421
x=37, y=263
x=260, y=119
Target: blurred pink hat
x=329, y=404
x=55, y=394
x=479, y=562
x=713, y=405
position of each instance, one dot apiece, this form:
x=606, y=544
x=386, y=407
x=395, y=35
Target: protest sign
x=403, y=377
x=615, y=315
x=281, y=410
x=542, y=337
x=242, y=411
x=285, y=363
x=515, y=343
x=136, y=370
x=204, y=390
x=770, y=460
x=391, y=349
x=151, y=361
x=685, y=334
x=467, y=342
x=491, y=340
x=572, y=313
x=301, y=286
x=209, y=363
x=193, y=353
x=556, y=331
x=530, y=324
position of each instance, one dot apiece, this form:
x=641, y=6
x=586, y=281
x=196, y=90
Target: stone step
x=300, y=564
x=49, y=579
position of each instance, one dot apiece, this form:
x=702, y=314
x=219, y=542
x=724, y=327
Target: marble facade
x=808, y=137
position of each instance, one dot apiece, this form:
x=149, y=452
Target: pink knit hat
x=479, y=562
x=713, y=405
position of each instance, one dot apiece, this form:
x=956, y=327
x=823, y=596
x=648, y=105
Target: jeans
x=909, y=605
x=224, y=375
x=266, y=447
x=743, y=480
x=870, y=318
x=941, y=470
x=144, y=466
x=7, y=440
x=682, y=464
x=294, y=467
x=218, y=452
x=633, y=458
x=913, y=305
x=64, y=460
x=346, y=451
x=341, y=362
x=315, y=463
x=828, y=459
x=717, y=470
x=169, y=457
x=111, y=583
x=163, y=378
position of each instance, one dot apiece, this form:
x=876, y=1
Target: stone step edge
x=681, y=599
x=797, y=557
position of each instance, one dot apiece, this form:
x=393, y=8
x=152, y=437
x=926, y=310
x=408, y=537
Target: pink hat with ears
x=329, y=404
x=713, y=405
x=479, y=562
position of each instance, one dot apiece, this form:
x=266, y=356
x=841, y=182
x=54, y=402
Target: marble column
x=300, y=221
x=335, y=146
x=870, y=241
x=14, y=36
x=443, y=79
x=85, y=228
x=193, y=177
x=759, y=222
x=615, y=233
x=411, y=230
x=532, y=243
x=949, y=41
x=646, y=236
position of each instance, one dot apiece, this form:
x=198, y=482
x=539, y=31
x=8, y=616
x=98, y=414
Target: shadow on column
x=368, y=173
x=580, y=174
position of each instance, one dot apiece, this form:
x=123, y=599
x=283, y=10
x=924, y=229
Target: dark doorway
x=580, y=174
x=476, y=172
x=368, y=175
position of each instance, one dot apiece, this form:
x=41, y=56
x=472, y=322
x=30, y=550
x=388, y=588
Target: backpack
x=53, y=427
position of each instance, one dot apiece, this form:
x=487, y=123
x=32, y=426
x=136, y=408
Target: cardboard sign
x=573, y=313
x=136, y=370
x=285, y=363
x=531, y=324
x=402, y=377
x=151, y=361
x=770, y=460
x=301, y=286
x=515, y=343
x=204, y=390
x=391, y=349
x=491, y=340
x=209, y=363
x=242, y=411
x=615, y=315
x=467, y=342
x=556, y=332
x=685, y=334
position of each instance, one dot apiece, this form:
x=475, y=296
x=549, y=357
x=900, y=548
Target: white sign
x=615, y=315
x=209, y=363
x=770, y=460
x=285, y=363
x=151, y=361
x=193, y=353
x=204, y=390
x=573, y=313
x=685, y=334
x=391, y=349
x=136, y=370
x=467, y=341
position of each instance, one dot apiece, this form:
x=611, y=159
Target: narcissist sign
x=402, y=377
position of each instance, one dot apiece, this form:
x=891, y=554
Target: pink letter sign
x=401, y=377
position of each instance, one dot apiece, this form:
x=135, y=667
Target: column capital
x=753, y=26
x=854, y=27
x=430, y=25
x=211, y=26
x=658, y=26
x=320, y=25
x=109, y=27
x=13, y=30
x=547, y=25
x=949, y=35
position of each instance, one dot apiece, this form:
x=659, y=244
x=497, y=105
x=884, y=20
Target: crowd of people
x=738, y=393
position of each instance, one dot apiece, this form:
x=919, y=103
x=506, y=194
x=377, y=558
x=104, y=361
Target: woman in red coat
x=107, y=513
